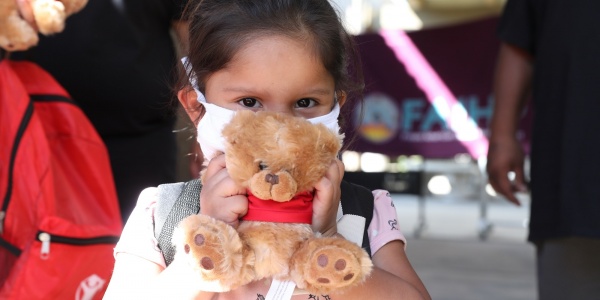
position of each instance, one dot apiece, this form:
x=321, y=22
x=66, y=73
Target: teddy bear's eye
x=262, y=166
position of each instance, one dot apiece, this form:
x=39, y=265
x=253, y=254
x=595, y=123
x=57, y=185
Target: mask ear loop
x=335, y=98
x=193, y=79
x=335, y=102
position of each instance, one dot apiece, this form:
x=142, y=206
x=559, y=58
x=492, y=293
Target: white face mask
x=215, y=117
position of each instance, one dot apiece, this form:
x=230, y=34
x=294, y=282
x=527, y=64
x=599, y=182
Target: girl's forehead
x=278, y=58
x=266, y=46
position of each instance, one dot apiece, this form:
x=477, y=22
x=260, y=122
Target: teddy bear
x=278, y=159
x=49, y=15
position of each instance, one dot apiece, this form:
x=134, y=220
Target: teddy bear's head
x=277, y=156
x=50, y=16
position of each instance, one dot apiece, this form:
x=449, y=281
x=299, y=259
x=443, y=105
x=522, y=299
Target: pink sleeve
x=137, y=237
x=384, y=226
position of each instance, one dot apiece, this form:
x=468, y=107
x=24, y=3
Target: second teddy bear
x=50, y=16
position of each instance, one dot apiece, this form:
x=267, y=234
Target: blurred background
x=422, y=135
x=428, y=68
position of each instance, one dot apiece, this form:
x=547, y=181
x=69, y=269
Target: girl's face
x=274, y=73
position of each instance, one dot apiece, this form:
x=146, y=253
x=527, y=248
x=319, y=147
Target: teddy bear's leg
x=324, y=265
x=214, y=249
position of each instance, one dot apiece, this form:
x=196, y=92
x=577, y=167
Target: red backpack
x=59, y=215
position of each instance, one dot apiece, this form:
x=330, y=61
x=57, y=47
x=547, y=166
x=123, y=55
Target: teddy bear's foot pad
x=336, y=267
x=206, y=262
x=213, y=248
x=339, y=266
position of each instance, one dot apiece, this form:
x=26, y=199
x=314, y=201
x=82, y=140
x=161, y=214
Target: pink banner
x=429, y=92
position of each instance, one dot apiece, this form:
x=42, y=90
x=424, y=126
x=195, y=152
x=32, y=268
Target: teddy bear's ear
x=330, y=141
x=240, y=121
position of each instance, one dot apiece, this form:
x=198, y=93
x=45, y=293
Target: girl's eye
x=250, y=103
x=305, y=103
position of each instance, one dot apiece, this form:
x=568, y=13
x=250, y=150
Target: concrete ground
x=455, y=263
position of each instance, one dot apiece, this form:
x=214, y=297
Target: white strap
x=280, y=290
x=351, y=227
x=340, y=212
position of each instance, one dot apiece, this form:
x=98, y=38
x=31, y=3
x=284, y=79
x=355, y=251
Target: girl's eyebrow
x=317, y=91
x=239, y=90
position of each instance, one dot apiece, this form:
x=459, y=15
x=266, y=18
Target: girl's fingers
x=221, y=197
x=341, y=168
x=226, y=186
x=502, y=185
x=335, y=173
x=237, y=207
x=214, y=166
x=326, y=200
x=520, y=183
x=324, y=190
x=328, y=188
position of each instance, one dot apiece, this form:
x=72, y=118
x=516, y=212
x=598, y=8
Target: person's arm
x=393, y=277
x=139, y=271
x=401, y=267
x=512, y=85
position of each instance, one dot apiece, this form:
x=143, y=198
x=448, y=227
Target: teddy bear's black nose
x=272, y=179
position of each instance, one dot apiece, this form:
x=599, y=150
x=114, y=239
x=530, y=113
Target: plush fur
x=50, y=15
x=259, y=146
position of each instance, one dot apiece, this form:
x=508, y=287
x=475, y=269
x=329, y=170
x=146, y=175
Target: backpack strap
x=176, y=201
x=358, y=201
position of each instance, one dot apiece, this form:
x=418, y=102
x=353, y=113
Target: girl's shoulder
x=148, y=196
x=143, y=212
x=137, y=237
x=146, y=203
x=383, y=197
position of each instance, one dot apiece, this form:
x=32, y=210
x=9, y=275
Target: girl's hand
x=327, y=200
x=221, y=198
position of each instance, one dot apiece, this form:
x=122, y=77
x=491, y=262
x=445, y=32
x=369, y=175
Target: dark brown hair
x=218, y=29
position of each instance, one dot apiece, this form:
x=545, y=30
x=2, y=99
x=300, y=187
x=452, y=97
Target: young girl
x=287, y=56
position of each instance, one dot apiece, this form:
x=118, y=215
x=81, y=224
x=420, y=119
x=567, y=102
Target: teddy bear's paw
x=215, y=250
x=16, y=34
x=333, y=268
x=49, y=16
x=336, y=266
